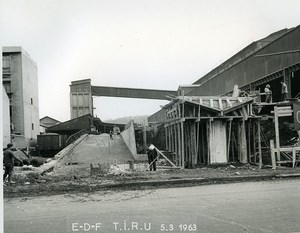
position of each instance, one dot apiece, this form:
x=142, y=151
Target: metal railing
x=75, y=136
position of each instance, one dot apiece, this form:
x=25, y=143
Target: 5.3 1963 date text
x=178, y=227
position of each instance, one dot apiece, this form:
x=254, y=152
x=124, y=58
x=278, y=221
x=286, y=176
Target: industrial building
x=47, y=122
x=211, y=110
x=268, y=60
x=206, y=125
x=20, y=82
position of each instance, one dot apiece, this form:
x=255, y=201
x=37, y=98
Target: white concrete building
x=5, y=119
x=20, y=81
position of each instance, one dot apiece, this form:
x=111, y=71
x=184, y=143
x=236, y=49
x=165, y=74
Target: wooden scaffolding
x=212, y=130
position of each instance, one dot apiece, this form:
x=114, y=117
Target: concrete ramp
x=102, y=149
x=96, y=149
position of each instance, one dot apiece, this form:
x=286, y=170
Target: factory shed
x=85, y=123
x=106, y=127
x=70, y=127
x=211, y=130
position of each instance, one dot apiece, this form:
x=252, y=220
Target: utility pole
x=145, y=135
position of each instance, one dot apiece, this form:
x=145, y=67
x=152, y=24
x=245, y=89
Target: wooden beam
x=203, y=126
x=175, y=121
x=254, y=137
x=229, y=103
x=241, y=112
x=172, y=138
x=208, y=141
x=197, y=140
x=235, y=113
x=187, y=143
x=169, y=138
x=242, y=143
x=182, y=145
x=221, y=117
x=245, y=113
x=294, y=157
x=159, y=152
x=259, y=144
x=232, y=147
x=175, y=139
x=273, y=154
x=170, y=112
x=211, y=103
x=249, y=141
x=289, y=149
x=145, y=136
x=220, y=104
x=277, y=132
x=229, y=138
x=179, y=143
x=179, y=111
x=195, y=143
x=166, y=137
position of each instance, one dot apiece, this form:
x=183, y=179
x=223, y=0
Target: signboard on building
x=285, y=111
x=296, y=107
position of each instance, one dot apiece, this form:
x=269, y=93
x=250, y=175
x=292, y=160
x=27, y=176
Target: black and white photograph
x=137, y=116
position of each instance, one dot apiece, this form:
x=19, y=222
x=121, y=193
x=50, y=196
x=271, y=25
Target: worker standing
x=268, y=94
x=8, y=161
x=284, y=91
x=152, y=157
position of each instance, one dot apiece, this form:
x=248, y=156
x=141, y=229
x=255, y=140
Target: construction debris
x=27, y=167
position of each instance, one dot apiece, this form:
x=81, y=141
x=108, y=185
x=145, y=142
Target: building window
x=6, y=60
x=32, y=126
x=7, y=87
x=31, y=101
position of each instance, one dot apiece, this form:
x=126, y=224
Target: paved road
x=271, y=206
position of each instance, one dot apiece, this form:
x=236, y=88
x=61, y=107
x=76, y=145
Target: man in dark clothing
x=268, y=94
x=152, y=157
x=8, y=162
x=284, y=91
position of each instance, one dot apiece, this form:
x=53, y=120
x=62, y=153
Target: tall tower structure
x=81, y=101
x=20, y=81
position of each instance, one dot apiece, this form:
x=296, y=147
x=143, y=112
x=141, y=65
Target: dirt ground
x=73, y=173
x=75, y=179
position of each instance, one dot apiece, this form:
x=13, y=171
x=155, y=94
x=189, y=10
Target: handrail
x=75, y=136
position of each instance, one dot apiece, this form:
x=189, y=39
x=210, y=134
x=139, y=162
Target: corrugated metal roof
x=243, y=54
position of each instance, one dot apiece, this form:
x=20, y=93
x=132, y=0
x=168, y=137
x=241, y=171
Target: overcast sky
x=156, y=44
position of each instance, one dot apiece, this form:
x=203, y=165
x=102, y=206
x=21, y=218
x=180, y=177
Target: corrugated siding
x=254, y=68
